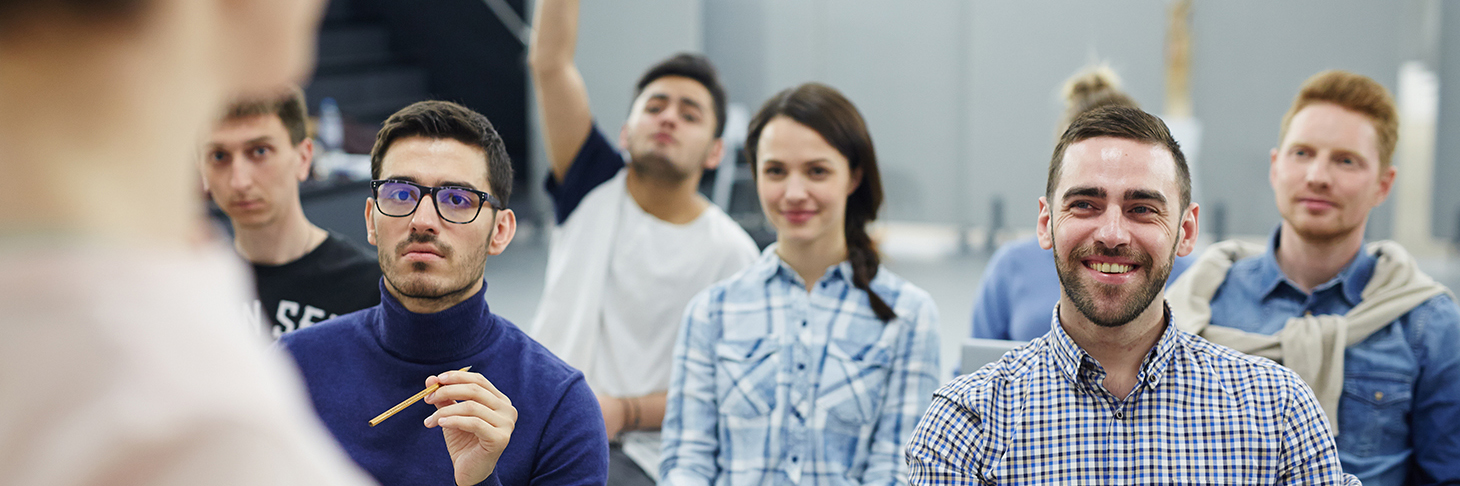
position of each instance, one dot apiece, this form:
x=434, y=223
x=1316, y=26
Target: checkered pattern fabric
x=1199, y=414
x=775, y=385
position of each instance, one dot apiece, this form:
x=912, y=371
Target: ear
x=369, y=221
x=1386, y=183
x=1186, y=231
x=1042, y=228
x=855, y=182
x=716, y=155
x=623, y=136
x=306, y=158
x=505, y=227
x=1272, y=166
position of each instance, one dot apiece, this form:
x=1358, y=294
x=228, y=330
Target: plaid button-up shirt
x=774, y=385
x=1199, y=414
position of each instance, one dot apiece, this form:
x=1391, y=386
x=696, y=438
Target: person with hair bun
x=815, y=363
x=1019, y=284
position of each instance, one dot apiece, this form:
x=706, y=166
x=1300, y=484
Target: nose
x=1112, y=231
x=1318, y=173
x=426, y=218
x=795, y=188
x=240, y=175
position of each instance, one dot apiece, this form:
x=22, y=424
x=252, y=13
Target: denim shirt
x=1399, y=415
x=775, y=385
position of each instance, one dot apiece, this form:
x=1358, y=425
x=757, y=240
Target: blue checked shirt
x=774, y=385
x=1199, y=414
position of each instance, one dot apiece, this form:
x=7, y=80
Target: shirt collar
x=771, y=265
x=1069, y=356
x=1350, y=281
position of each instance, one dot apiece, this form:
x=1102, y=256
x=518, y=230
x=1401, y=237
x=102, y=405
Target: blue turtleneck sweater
x=363, y=363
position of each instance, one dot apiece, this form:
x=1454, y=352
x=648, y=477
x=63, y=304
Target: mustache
x=1118, y=252
x=422, y=237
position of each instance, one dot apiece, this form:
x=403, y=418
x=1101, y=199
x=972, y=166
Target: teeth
x=1110, y=267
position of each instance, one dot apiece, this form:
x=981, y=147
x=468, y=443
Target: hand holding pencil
x=476, y=420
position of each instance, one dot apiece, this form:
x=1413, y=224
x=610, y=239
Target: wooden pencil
x=402, y=405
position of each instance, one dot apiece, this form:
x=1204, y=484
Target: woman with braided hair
x=815, y=360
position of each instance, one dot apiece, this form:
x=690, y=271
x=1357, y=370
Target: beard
x=1086, y=295
x=657, y=166
x=458, y=277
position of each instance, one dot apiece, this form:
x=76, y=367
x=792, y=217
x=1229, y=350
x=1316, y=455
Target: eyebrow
x=467, y=185
x=1145, y=195
x=1086, y=191
x=251, y=141
x=683, y=99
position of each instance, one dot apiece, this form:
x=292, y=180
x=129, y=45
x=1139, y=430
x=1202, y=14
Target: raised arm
x=561, y=94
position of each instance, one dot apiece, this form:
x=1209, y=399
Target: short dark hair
x=289, y=106
x=444, y=119
x=692, y=66
x=1119, y=122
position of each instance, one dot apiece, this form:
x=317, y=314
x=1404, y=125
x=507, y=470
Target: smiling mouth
x=1110, y=268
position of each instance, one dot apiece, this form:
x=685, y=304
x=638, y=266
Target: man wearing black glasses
x=438, y=209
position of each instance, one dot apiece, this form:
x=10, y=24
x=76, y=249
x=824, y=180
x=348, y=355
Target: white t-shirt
x=135, y=367
x=655, y=269
x=618, y=280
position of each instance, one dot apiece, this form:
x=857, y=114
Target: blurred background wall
x=961, y=96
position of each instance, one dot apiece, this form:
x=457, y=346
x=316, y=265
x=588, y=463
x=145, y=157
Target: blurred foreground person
x=125, y=360
x=813, y=365
x=1113, y=393
x=252, y=165
x=438, y=209
x=1374, y=336
x=1020, y=283
x=633, y=242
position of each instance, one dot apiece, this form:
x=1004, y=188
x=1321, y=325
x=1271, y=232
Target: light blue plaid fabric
x=775, y=385
x=1199, y=414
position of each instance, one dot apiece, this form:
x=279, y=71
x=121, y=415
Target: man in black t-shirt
x=252, y=165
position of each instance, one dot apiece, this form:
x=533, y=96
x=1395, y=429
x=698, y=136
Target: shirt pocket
x=1373, y=414
x=746, y=376
x=853, y=382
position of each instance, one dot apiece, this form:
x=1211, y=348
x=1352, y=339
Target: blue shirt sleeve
x=1437, y=392
x=597, y=162
x=991, y=306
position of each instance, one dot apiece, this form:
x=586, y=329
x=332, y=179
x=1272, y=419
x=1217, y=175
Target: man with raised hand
x=1115, y=394
x=1372, y=334
x=438, y=208
x=252, y=165
x=633, y=243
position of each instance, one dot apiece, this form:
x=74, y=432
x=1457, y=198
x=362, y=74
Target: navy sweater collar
x=452, y=334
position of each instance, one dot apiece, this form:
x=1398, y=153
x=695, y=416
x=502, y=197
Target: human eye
x=260, y=151
x=818, y=172
x=218, y=156
x=458, y=198
x=773, y=170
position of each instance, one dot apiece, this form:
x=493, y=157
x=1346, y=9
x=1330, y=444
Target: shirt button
x=795, y=458
x=800, y=366
x=1378, y=396
x=1119, y=415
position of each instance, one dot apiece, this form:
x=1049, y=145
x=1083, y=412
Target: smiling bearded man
x=1115, y=394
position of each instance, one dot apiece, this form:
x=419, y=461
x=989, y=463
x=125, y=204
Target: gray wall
x=1447, y=149
x=962, y=96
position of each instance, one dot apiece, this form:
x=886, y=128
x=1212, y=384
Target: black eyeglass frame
x=429, y=192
